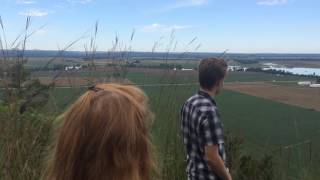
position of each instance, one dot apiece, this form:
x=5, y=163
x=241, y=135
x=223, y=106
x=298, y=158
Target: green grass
x=265, y=125
x=259, y=119
x=165, y=77
x=268, y=126
x=251, y=117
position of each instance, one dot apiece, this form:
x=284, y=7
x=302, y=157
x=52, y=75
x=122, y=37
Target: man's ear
x=220, y=83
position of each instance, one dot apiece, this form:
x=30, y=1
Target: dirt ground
x=298, y=96
x=67, y=82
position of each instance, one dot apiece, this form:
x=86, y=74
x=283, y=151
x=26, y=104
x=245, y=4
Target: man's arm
x=216, y=163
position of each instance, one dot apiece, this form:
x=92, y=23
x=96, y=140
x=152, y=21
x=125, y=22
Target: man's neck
x=211, y=93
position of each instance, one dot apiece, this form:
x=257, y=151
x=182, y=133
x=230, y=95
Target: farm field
x=289, y=133
x=264, y=124
x=154, y=76
x=255, y=118
x=298, y=96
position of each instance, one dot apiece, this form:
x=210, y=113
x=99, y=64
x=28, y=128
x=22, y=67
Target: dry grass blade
x=68, y=46
x=91, y=43
x=16, y=45
x=172, y=38
x=28, y=23
x=175, y=46
x=96, y=28
x=186, y=48
x=1, y=47
x=192, y=41
x=4, y=47
x=157, y=44
x=86, y=50
x=60, y=53
x=36, y=30
x=1, y=23
x=223, y=53
x=198, y=47
x=154, y=47
x=93, y=49
x=116, y=41
x=132, y=35
x=15, y=41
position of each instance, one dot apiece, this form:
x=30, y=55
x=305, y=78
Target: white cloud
x=188, y=3
x=182, y=4
x=80, y=1
x=34, y=12
x=271, y=2
x=162, y=27
x=26, y=1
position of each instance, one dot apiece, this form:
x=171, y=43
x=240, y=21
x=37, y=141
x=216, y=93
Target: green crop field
x=146, y=76
x=265, y=125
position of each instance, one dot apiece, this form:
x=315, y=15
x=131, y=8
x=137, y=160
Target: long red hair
x=104, y=135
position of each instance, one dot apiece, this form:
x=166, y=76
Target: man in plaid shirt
x=201, y=127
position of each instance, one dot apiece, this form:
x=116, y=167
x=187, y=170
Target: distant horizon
x=178, y=52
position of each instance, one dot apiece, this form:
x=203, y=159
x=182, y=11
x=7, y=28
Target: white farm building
x=308, y=83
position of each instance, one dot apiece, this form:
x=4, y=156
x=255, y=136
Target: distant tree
x=137, y=61
x=179, y=66
x=166, y=66
x=84, y=66
x=58, y=67
x=247, y=61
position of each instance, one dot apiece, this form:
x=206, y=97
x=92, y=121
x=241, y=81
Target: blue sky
x=248, y=26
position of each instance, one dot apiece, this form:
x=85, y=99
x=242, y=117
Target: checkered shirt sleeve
x=211, y=129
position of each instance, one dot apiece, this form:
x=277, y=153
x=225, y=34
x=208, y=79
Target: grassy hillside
x=266, y=126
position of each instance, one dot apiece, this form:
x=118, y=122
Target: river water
x=297, y=70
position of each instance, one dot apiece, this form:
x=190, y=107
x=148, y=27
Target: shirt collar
x=206, y=95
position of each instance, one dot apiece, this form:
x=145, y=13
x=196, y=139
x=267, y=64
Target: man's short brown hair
x=211, y=71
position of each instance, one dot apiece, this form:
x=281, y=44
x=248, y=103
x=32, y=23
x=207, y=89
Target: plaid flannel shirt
x=201, y=127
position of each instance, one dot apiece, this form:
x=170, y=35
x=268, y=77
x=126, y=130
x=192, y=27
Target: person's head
x=212, y=72
x=104, y=135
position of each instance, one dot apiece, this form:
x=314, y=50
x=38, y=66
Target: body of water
x=297, y=71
